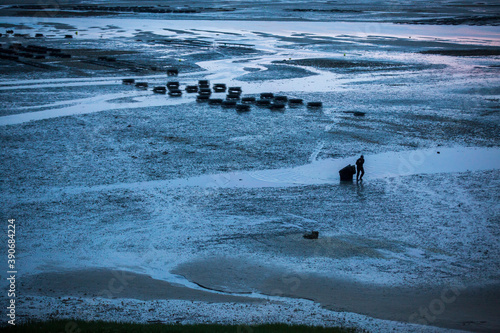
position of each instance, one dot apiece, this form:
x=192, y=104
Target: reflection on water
x=359, y=190
x=389, y=166
x=384, y=165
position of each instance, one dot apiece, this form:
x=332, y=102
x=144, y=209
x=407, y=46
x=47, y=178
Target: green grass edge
x=79, y=326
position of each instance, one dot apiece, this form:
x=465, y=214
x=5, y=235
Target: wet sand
x=108, y=283
x=456, y=307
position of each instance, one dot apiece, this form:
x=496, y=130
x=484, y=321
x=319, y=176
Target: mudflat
x=127, y=199
x=456, y=306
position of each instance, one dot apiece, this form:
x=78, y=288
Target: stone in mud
x=311, y=235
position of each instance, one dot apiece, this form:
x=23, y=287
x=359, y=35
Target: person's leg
x=362, y=174
x=357, y=174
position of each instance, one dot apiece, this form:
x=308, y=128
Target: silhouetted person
x=359, y=168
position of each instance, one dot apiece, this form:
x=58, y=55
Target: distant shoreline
x=423, y=13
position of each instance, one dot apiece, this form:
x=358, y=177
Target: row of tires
x=33, y=48
x=140, y=9
x=137, y=9
x=37, y=35
x=14, y=51
x=30, y=51
x=233, y=98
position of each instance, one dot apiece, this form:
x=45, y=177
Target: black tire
x=215, y=101
x=248, y=100
x=172, y=71
x=205, y=92
x=173, y=85
x=263, y=102
x=192, y=89
x=314, y=105
x=202, y=99
x=233, y=96
x=295, y=101
x=277, y=106
x=242, y=107
x=175, y=93
x=235, y=89
x=203, y=83
x=219, y=89
x=160, y=90
x=228, y=104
